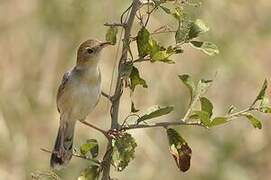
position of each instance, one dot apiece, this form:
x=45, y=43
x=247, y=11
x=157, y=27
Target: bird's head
x=89, y=51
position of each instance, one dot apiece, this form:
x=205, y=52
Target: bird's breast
x=80, y=94
x=85, y=99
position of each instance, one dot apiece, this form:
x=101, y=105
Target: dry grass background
x=38, y=41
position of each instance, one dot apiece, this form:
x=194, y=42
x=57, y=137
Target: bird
x=77, y=96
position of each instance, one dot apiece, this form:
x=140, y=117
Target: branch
x=241, y=113
x=107, y=96
x=114, y=24
x=96, y=128
x=75, y=155
x=141, y=60
x=162, y=124
x=191, y=106
x=126, y=41
x=184, y=122
x=119, y=85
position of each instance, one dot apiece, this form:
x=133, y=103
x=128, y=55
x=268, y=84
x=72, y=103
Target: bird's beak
x=104, y=44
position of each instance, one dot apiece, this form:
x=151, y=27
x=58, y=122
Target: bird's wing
x=62, y=86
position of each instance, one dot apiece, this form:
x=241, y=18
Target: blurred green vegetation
x=38, y=41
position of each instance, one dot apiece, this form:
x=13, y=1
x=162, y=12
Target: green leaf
x=198, y=27
x=187, y=81
x=111, y=35
x=206, y=106
x=207, y=47
x=179, y=149
x=264, y=101
x=154, y=47
x=204, y=117
x=218, y=121
x=123, y=151
x=155, y=112
x=142, y=40
x=265, y=109
x=159, y=53
x=262, y=92
x=91, y=146
x=256, y=123
x=136, y=79
x=90, y=173
x=162, y=56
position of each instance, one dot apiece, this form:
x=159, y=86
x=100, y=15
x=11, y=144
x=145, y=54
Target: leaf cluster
x=123, y=151
x=206, y=112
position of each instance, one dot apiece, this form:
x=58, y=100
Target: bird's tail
x=62, y=152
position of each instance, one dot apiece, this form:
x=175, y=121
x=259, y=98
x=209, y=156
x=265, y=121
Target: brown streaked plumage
x=77, y=96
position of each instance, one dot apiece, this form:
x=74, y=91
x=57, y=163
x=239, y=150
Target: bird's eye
x=90, y=51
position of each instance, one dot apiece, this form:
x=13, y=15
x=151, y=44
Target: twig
x=119, y=85
x=191, y=106
x=141, y=60
x=115, y=107
x=183, y=122
x=122, y=15
x=114, y=24
x=149, y=12
x=75, y=155
x=235, y=115
x=96, y=128
x=162, y=124
x=107, y=96
x=125, y=120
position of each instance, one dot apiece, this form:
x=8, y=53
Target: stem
x=96, y=128
x=114, y=24
x=241, y=113
x=162, y=124
x=107, y=161
x=184, y=122
x=75, y=155
x=191, y=106
x=118, y=90
x=119, y=87
x=141, y=60
x=107, y=96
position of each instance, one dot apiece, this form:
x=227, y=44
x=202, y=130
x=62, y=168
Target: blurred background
x=38, y=42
